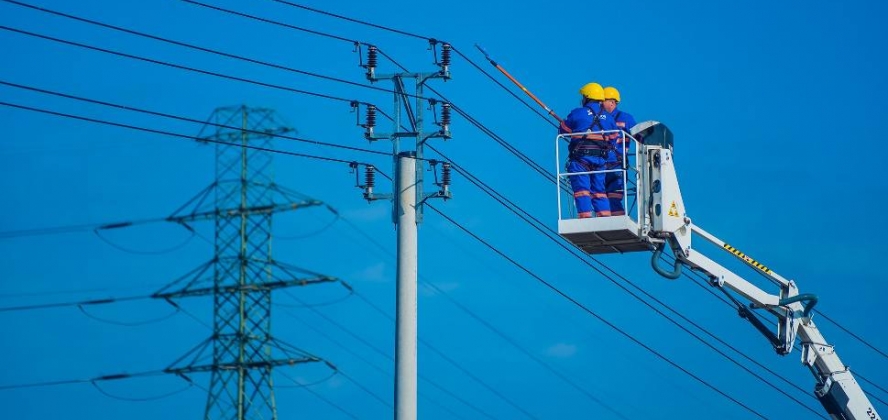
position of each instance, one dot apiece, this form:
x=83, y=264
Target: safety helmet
x=611, y=92
x=592, y=91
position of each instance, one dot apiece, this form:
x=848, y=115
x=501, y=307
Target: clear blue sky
x=777, y=108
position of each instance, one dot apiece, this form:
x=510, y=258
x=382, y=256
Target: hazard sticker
x=673, y=211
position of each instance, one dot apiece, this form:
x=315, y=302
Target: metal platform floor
x=604, y=235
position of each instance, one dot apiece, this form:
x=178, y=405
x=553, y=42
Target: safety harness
x=591, y=144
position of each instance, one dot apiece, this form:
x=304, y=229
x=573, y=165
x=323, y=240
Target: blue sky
x=774, y=108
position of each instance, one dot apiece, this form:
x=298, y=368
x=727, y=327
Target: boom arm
x=663, y=219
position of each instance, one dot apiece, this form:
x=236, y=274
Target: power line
x=321, y=397
x=181, y=44
x=859, y=338
x=526, y=217
x=187, y=119
x=530, y=162
x=487, y=325
x=376, y=367
x=274, y=22
x=522, y=101
x=377, y=350
x=594, y=314
x=430, y=39
x=514, y=95
x=468, y=117
x=103, y=378
x=187, y=68
x=385, y=28
x=171, y=134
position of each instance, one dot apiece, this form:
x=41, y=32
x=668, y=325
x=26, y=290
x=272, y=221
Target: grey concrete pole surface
x=406, y=335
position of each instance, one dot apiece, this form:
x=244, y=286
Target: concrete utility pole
x=405, y=341
x=407, y=208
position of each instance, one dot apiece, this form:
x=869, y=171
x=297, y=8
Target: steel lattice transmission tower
x=242, y=274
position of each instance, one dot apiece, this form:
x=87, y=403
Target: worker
x=621, y=144
x=589, y=152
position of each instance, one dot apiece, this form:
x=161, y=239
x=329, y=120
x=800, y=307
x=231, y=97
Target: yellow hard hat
x=611, y=92
x=592, y=91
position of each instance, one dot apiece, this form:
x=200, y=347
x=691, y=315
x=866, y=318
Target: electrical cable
x=177, y=43
x=318, y=231
x=274, y=22
x=582, y=258
x=368, y=391
x=73, y=303
x=352, y=20
x=112, y=377
x=430, y=39
x=479, y=319
x=472, y=120
x=191, y=120
x=128, y=324
x=594, y=314
x=859, y=338
x=500, y=84
x=376, y=367
x=210, y=72
x=318, y=382
x=140, y=252
x=302, y=304
x=383, y=28
x=144, y=399
x=321, y=397
x=171, y=134
x=362, y=340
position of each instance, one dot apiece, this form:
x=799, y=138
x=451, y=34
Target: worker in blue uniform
x=589, y=152
x=621, y=144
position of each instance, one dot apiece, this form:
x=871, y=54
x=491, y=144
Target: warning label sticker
x=673, y=211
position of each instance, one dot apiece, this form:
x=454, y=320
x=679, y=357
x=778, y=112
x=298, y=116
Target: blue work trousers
x=613, y=182
x=589, y=189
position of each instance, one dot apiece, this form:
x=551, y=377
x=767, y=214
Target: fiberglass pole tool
x=517, y=83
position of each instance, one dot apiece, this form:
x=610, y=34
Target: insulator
x=445, y=119
x=372, y=59
x=445, y=114
x=371, y=116
x=445, y=60
x=445, y=54
x=445, y=180
x=445, y=174
x=370, y=177
x=371, y=121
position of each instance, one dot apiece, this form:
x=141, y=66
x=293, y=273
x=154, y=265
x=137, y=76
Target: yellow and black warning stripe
x=748, y=259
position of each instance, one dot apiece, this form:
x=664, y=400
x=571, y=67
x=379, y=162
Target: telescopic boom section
x=660, y=220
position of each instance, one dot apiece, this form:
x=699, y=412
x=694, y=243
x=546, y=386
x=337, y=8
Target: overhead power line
x=385, y=28
x=276, y=23
x=373, y=365
x=192, y=69
x=430, y=39
x=484, y=323
x=102, y=378
x=540, y=227
x=596, y=315
x=452, y=362
x=171, y=134
x=191, y=120
x=532, y=164
x=177, y=43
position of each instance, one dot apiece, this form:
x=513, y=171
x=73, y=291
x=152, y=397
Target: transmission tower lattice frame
x=243, y=273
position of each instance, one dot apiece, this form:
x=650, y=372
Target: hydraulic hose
x=809, y=300
x=676, y=269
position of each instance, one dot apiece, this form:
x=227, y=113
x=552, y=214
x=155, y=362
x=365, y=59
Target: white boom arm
x=662, y=218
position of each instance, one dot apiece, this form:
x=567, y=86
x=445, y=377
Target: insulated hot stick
x=520, y=86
